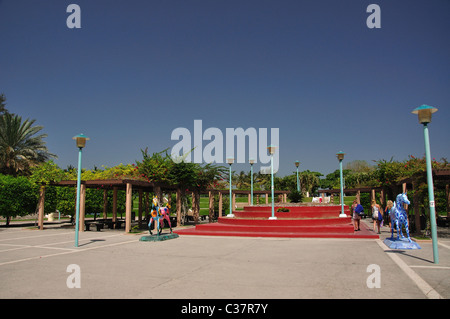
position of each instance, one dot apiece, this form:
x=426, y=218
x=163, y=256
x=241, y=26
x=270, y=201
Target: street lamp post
x=297, y=163
x=251, y=161
x=424, y=113
x=340, y=156
x=271, y=149
x=230, y=161
x=81, y=143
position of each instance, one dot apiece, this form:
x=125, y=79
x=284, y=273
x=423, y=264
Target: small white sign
x=431, y=203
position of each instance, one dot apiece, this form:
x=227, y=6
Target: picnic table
x=100, y=223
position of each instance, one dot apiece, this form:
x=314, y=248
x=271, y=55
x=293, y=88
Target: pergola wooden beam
x=108, y=184
x=119, y=183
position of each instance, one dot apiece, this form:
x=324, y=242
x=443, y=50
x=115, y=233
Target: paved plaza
x=112, y=264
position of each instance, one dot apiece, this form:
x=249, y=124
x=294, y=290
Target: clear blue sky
x=136, y=70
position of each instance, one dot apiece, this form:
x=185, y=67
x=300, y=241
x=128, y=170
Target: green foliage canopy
x=18, y=196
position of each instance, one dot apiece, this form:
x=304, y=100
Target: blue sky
x=137, y=70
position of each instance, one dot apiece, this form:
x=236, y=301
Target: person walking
x=357, y=211
x=388, y=212
x=377, y=216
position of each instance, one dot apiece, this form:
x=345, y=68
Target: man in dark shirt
x=358, y=210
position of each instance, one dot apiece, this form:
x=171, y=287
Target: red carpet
x=301, y=221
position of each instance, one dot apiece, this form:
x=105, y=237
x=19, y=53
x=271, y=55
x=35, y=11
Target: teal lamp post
x=271, y=149
x=340, y=156
x=297, y=163
x=424, y=113
x=251, y=161
x=230, y=161
x=81, y=143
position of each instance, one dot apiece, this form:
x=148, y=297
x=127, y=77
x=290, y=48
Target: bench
x=100, y=223
x=88, y=224
x=118, y=223
x=443, y=221
x=107, y=222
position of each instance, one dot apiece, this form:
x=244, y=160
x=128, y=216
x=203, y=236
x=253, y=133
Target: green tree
x=43, y=175
x=46, y=173
x=331, y=181
x=242, y=180
x=309, y=181
x=20, y=147
x=295, y=196
x=358, y=166
x=3, y=109
x=18, y=197
x=263, y=181
x=66, y=197
x=388, y=173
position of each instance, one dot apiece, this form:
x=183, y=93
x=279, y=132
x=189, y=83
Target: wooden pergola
x=144, y=188
x=128, y=185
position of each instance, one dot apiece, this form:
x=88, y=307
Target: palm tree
x=3, y=109
x=20, y=147
x=242, y=180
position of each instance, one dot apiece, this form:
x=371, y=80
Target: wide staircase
x=321, y=221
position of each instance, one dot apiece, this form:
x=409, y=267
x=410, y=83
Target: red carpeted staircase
x=321, y=221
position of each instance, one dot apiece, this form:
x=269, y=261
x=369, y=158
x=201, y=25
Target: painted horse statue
x=399, y=217
x=159, y=214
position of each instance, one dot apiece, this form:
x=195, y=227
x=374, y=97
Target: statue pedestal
x=402, y=243
x=161, y=237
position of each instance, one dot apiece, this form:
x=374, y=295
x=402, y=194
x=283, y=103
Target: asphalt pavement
x=112, y=264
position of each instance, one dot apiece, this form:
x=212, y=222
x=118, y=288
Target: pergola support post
x=128, y=207
x=41, y=207
x=220, y=204
x=211, y=206
x=178, y=206
x=114, y=212
x=140, y=207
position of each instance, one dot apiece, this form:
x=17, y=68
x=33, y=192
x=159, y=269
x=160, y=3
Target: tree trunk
x=211, y=206
x=196, y=205
x=178, y=206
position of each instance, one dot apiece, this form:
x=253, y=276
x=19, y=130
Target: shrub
x=18, y=197
x=295, y=196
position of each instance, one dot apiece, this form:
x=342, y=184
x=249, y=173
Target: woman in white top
x=377, y=215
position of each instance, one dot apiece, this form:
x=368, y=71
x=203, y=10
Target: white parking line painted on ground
x=18, y=247
x=68, y=251
x=30, y=237
x=422, y=284
x=431, y=267
x=22, y=246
